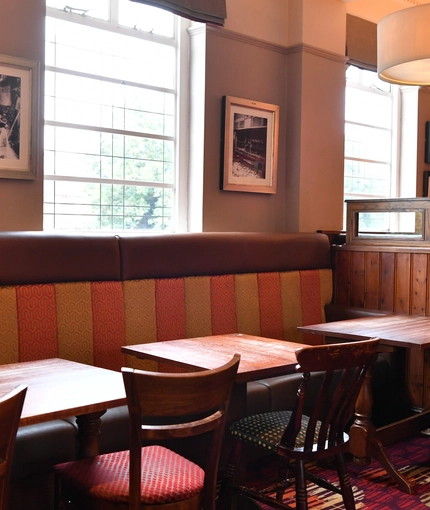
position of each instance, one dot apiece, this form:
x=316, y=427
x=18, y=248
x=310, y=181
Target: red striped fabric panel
x=223, y=305
x=269, y=294
x=37, y=322
x=170, y=309
x=108, y=324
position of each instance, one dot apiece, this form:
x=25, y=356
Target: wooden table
x=260, y=358
x=59, y=389
x=407, y=331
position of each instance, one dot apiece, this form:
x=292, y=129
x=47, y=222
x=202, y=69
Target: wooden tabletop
x=411, y=331
x=260, y=357
x=59, y=388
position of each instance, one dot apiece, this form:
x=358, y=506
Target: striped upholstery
x=88, y=322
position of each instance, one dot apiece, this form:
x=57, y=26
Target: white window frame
x=181, y=44
x=395, y=141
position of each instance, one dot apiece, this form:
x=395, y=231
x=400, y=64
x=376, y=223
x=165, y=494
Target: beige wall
x=304, y=73
x=285, y=52
x=22, y=35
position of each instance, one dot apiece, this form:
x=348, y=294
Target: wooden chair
x=163, y=407
x=11, y=406
x=314, y=430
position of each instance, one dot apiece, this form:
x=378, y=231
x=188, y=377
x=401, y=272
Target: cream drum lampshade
x=403, y=46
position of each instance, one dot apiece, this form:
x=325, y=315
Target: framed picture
x=19, y=117
x=250, y=145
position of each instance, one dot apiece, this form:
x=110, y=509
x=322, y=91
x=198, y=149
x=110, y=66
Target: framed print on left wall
x=19, y=117
x=250, y=145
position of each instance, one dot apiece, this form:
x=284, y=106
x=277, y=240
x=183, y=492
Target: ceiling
x=374, y=10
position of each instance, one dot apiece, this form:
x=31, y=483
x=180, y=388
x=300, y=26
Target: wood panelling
x=391, y=280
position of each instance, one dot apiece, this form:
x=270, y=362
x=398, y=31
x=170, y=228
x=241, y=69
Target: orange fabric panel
x=223, y=305
x=75, y=322
x=269, y=291
x=140, y=319
x=198, y=306
x=311, y=303
x=37, y=322
x=9, y=339
x=291, y=306
x=170, y=309
x=326, y=286
x=247, y=305
x=108, y=324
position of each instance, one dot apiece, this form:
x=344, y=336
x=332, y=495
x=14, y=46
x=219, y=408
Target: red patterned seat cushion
x=166, y=476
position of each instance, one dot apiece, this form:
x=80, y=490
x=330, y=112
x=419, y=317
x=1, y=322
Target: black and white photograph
x=10, y=103
x=18, y=118
x=250, y=145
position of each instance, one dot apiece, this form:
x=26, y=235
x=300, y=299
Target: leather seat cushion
x=39, y=447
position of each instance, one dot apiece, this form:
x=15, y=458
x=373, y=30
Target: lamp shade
x=403, y=46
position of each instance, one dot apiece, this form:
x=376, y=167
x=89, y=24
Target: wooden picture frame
x=19, y=117
x=249, y=145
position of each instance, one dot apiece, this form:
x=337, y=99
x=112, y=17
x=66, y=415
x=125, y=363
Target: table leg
x=88, y=434
x=364, y=444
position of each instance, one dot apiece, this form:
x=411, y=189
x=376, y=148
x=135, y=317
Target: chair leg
x=301, y=490
x=345, y=483
x=226, y=492
x=283, y=478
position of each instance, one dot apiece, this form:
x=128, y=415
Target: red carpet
x=373, y=488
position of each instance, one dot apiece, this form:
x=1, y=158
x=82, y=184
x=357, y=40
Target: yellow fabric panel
x=326, y=282
x=140, y=319
x=247, y=305
x=291, y=306
x=198, y=306
x=75, y=321
x=9, y=336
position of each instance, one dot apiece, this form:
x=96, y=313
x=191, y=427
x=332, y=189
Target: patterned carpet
x=373, y=488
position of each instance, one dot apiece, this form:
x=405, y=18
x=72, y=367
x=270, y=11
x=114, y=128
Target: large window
x=370, y=136
x=111, y=103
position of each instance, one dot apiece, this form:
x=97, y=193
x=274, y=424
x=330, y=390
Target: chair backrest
x=171, y=406
x=10, y=413
x=343, y=367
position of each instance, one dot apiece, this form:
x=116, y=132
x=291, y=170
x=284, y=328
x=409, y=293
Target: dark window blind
x=361, y=42
x=205, y=11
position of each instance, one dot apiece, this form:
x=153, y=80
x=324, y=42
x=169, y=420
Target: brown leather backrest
x=38, y=257
x=216, y=253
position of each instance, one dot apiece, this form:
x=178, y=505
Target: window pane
x=367, y=143
x=368, y=108
x=366, y=179
x=369, y=116
x=91, y=206
x=98, y=9
x=108, y=54
x=146, y=18
x=83, y=153
x=91, y=102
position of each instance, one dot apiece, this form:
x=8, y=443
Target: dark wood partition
x=390, y=280
x=389, y=272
